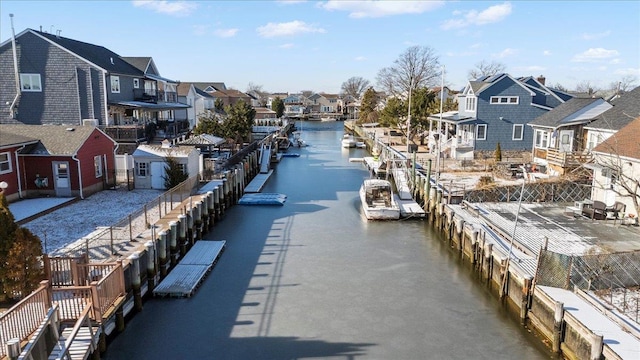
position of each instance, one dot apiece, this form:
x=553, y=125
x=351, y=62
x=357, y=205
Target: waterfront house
x=324, y=103
x=66, y=81
x=199, y=101
x=55, y=160
x=151, y=162
x=559, y=135
x=496, y=109
x=163, y=93
x=616, y=169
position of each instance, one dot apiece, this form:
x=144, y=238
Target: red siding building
x=56, y=160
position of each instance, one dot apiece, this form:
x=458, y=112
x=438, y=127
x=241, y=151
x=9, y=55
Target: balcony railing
x=154, y=96
x=126, y=133
x=567, y=159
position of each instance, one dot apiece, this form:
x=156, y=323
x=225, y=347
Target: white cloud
x=286, y=46
x=475, y=46
x=546, y=53
x=225, y=33
x=377, y=9
x=178, y=8
x=628, y=71
x=615, y=61
x=287, y=29
x=596, y=36
x=200, y=30
x=594, y=55
x=360, y=58
x=490, y=15
x=505, y=53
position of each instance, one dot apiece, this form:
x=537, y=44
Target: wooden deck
x=185, y=278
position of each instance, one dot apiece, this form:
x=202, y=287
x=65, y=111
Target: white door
x=61, y=181
x=566, y=141
x=158, y=173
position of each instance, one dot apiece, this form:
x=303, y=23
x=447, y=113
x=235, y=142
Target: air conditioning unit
x=89, y=122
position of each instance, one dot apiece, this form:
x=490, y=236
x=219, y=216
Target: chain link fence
x=615, y=277
x=561, y=191
x=115, y=239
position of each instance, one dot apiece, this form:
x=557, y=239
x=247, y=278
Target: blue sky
x=289, y=46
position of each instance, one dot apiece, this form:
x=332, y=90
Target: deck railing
x=567, y=159
x=101, y=294
x=84, y=320
x=63, y=271
x=24, y=317
x=39, y=337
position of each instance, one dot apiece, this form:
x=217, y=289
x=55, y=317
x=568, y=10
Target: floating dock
x=256, y=185
x=263, y=199
x=184, y=279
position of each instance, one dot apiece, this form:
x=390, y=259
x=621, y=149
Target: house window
x=5, y=163
x=542, y=139
x=136, y=83
x=509, y=100
x=470, y=103
x=97, y=165
x=481, y=132
x=141, y=169
x=115, y=84
x=183, y=168
x=518, y=131
x=30, y=82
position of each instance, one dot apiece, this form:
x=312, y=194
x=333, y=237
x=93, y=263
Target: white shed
x=150, y=163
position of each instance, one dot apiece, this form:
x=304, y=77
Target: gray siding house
x=496, y=109
x=65, y=81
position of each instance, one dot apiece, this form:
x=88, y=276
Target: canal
x=314, y=279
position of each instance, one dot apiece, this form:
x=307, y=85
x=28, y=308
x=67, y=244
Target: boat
x=327, y=118
x=263, y=199
x=348, y=141
x=298, y=141
x=283, y=143
x=378, y=202
x=361, y=145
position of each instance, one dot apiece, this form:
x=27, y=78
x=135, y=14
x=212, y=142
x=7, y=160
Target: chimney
x=541, y=79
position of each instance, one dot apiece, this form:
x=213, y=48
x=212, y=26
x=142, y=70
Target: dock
x=256, y=185
x=184, y=279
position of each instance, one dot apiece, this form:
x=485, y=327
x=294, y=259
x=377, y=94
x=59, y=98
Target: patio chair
x=617, y=209
x=597, y=211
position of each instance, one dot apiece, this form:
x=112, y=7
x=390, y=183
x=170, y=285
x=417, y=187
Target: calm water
x=314, y=279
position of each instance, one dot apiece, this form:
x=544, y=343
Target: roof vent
x=111, y=60
x=70, y=129
x=166, y=144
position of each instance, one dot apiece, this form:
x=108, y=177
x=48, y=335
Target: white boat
x=348, y=141
x=298, y=141
x=283, y=143
x=378, y=201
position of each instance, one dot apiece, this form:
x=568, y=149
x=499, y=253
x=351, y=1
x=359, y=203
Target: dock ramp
x=265, y=159
x=184, y=279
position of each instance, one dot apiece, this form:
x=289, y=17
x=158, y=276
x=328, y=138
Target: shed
x=151, y=161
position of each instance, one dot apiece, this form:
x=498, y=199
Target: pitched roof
x=140, y=62
x=159, y=151
x=56, y=139
x=95, y=54
x=624, y=142
x=220, y=86
x=571, y=112
x=203, y=139
x=9, y=139
x=625, y=109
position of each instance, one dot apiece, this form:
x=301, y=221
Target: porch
x=562, y=161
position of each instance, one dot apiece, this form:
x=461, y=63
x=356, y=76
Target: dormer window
x=470, y=103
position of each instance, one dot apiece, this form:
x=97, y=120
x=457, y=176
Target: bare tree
x=257, y=90
x=417, y=67
x=485, y=68
x=355, y=86
x=626, y=83
x=586, y=87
